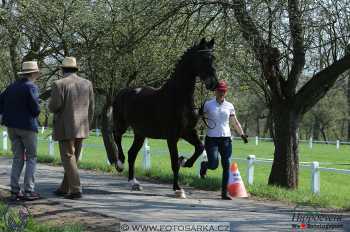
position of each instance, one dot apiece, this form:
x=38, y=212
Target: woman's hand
x=244, y=138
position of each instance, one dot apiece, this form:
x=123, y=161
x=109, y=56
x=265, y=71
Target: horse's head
x=204, y=63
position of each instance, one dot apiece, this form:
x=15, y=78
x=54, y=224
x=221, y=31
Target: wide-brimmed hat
x=29, y=67
x=222, y=86
x=69, y=62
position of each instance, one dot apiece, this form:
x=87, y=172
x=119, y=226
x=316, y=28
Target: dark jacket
x=19, y=105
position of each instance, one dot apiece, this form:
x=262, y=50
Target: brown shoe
x=203, y=170
x=59, y=193
x=16, y=196
x=31, y=196
x=73, y=196
x=225, y=196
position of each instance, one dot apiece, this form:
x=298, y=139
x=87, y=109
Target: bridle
x=204, y=118
x=200, y=109
x=201, y=113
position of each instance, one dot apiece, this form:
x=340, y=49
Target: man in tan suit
x=72, y=102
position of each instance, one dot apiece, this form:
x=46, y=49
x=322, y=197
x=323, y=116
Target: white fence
x=257, y=139
x=311, y=142
x=314, y=166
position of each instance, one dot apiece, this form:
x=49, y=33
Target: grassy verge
x=34, y=226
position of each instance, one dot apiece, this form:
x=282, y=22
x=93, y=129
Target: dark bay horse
x=165, y=113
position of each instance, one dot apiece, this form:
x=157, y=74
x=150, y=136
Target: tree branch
x=297, y=34
x=269, y=57
x=320, y=83
x=249, y=29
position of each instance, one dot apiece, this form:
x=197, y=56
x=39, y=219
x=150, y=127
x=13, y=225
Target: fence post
x=81, y=153
x=310, y=142
x=256, y=140
x=250, y=169
x=4, y=140
x=97, y=132
x=338, y=144
x=51, y=146
x=315, y=179
x=146, y=156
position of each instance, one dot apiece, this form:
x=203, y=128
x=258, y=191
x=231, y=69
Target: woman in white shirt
x=218, y=138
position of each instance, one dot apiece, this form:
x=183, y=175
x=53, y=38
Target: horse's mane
x=179, y=64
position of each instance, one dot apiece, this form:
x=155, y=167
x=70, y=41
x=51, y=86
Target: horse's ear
x=203, y=42
x=211, y=43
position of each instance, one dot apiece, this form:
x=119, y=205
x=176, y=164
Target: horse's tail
x=118, y=127
x=115, y=105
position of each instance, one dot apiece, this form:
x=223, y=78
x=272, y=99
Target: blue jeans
x=222, y=145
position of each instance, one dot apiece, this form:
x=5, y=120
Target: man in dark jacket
x=19, y=106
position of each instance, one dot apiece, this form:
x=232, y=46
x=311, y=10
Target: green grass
x=334, y=187
x=34, y=226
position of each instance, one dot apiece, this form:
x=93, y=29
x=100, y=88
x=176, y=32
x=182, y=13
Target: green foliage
x=328, y=116
x=134, y=43
x=34, y=226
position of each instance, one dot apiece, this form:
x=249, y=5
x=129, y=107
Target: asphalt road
x=110, y=195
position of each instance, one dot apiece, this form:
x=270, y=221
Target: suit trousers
x=70, y=152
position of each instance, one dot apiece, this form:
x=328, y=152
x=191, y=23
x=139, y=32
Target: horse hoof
x=136, y=187
x=182, y=161
x=119, y=166
x=188, y=164
x=180, y=194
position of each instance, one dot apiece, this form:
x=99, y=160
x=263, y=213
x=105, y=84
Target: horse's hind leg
x=193, y=138
x=132, y=154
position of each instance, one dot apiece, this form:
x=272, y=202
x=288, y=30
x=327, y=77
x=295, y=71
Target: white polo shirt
x=218, y=117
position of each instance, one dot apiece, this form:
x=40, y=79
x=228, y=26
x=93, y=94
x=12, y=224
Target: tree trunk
x=348, y=101
x=245, y=125
x=46, y=121
x=316, y=129
x=310, y=132
x=257, y=126
x=324, y=135
x=107, y=132
x=14, y=57
x=267, y=127
x=285, y=166
x=347, y=51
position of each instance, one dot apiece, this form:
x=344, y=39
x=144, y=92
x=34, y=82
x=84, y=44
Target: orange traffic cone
x=235, y=184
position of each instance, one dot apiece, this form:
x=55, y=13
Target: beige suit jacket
x=72, y=103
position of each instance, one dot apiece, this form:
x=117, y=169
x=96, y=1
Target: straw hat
x=29, y=67
x=69, y=62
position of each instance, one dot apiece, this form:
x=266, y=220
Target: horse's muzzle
x=211, y=85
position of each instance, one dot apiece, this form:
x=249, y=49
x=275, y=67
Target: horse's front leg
x=174, y=156
x=192, y=138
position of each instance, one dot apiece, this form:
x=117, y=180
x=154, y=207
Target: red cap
x=222, y=86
